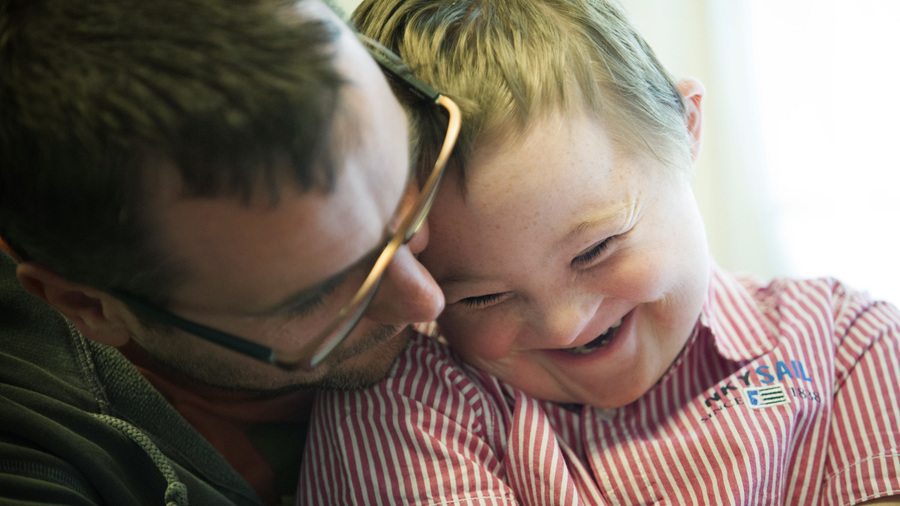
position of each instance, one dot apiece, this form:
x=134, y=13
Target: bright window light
x=828, y=80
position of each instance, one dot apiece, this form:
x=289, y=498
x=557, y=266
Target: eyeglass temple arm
x=454, y=121
x=400, y=71
x=229, y=341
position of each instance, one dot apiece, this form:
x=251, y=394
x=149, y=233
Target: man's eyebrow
x=458, y=279
x=307, y=299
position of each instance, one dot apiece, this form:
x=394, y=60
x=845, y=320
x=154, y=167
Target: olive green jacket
x=80, y=425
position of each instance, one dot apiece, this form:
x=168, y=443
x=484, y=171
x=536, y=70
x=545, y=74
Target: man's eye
x=481, y=300
x=312, y=302
x=586, y=259
x=307, y=308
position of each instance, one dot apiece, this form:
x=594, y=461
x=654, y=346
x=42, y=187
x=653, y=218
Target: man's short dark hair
x=96, y=95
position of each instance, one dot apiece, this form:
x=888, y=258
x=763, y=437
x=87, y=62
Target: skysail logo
x=765, y=397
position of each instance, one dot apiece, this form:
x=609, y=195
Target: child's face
x=561, y=239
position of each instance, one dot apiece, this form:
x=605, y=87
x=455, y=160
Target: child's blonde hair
x=507, y=62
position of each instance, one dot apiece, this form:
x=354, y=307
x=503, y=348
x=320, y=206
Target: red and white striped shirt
x=786, y=394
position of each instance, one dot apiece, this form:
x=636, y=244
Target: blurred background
x=799, y=174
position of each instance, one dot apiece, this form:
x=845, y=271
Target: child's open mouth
x=601, y=341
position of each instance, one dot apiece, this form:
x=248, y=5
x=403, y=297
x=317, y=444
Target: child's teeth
x=601, y=341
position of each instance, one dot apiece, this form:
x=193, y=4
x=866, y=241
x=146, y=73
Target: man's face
x=246, y=263
x=572, y=270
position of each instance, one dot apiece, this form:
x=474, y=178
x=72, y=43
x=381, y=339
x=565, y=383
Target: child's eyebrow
x=626, y=209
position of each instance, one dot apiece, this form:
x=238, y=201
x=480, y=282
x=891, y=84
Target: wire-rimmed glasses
x=310, y=355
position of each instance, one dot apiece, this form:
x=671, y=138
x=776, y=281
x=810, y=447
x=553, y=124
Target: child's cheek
x=483, y=336
x=638, y=275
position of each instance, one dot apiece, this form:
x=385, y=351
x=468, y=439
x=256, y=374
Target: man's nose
x=408, y=293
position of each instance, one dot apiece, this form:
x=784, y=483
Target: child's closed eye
x=482, y=301
x=590, y=256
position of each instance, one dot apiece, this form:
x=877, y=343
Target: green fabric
x=80, y=425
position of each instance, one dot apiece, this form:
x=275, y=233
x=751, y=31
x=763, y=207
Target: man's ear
x=95, y=314
x=693, y=91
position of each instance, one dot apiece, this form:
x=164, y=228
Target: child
x=598, y=354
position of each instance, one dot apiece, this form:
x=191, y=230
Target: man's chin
x=367, y=365
x=362, y=364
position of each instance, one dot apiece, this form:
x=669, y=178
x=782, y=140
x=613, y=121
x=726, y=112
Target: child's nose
x=568, y=322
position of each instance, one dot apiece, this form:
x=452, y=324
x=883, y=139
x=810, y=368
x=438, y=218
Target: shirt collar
x=740, y=328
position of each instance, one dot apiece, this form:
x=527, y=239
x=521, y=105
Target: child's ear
x=94, y=313
x=693, y=91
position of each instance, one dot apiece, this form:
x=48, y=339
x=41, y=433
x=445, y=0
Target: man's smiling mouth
x=601, y=341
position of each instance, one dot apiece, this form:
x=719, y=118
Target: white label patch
x=765, y=397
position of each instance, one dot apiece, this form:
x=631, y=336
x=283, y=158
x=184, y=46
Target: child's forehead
x=517, y=128
x=556, y=128
x=556, y=144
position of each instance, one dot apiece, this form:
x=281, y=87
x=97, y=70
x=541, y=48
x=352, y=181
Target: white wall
x=799, y=174
x=730, y=182
x=346, y=5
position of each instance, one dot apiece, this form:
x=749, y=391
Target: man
x=211, y=202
